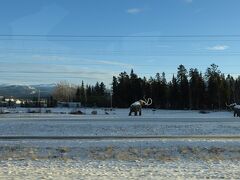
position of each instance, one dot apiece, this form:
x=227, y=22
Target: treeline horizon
x=189, y=89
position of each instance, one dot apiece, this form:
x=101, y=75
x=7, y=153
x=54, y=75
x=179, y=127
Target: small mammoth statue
x=137, y=106
x=236, y=109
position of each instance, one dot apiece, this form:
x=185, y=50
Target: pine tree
x=135, y=92
x=197, y=89
x=124, y=86
x=231, y=95
x=78, y=95
x=183, y=87
x=163, y=91
x=83, y=94
x=97, y=89
x=115, y=92
x=174, y=93
x=213, y=86
x=102, y=89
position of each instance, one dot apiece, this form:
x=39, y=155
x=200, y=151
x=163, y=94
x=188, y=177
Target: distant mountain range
x=26, y=91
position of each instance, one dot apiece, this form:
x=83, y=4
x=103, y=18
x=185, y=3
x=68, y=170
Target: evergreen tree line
x=187, y=90
x=88, y=95
x=93, y=95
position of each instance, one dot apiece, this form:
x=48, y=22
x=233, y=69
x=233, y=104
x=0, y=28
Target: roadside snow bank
x=57, y=169
x=123, y=150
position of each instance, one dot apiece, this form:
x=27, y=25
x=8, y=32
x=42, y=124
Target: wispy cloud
x=197, y=11
x=115, y=63
x=188, y=1
x=36, y=21
x=134, y=11
x=218, y=48
x=35, y=69
x=61, y=60
x=52, y=74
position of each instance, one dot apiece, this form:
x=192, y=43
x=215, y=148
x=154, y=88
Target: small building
x=69, y=104
x=10, y=102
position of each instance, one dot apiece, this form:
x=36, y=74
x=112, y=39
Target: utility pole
x=39, y=97
x=39, y=103
x=111, y=99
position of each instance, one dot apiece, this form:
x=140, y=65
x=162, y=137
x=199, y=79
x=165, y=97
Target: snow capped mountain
x=26, y=91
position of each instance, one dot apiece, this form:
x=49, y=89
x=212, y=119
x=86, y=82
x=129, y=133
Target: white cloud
x=134, y=11
x=218, y=48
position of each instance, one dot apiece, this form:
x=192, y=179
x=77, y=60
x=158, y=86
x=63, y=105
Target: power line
x=160, y=55
x=130, y=65
x=123, y=36
x=131, y=40
x=42, y=72
x=10, y=73
x=115, y=50
x=119, y=53
x=124, y=50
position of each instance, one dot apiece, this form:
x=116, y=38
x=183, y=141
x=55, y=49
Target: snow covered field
x=212, y=157
x=118, y=123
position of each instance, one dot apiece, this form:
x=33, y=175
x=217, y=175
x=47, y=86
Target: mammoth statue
x=236, y=109
x=137, y=106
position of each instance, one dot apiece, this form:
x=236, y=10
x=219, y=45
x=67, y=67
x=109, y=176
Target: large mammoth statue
x=236, y=109
x=137, y=106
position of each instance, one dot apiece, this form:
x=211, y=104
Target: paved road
x=109, y=126
x=203, y=137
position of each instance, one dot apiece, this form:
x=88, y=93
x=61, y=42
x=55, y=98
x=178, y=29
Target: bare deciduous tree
x=64, y=92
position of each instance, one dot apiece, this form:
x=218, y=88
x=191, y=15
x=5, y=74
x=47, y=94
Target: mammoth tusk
x=231, y=105
x=144, y=101
x=149, y=102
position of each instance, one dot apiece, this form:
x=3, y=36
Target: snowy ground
x=182, y=159
x=108, y=159
x=118, y=170
x=161, y=158
x=118, y=123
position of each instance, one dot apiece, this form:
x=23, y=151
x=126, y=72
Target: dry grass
x=63, y=149
x=120, y=153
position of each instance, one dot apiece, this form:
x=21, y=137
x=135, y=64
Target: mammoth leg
x=238, y=113
x=131, y=110
x=140, y=112
x=130, y=113
x=135, y=113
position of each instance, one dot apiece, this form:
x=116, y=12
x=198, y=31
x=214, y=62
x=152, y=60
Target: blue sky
x=47, y=59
